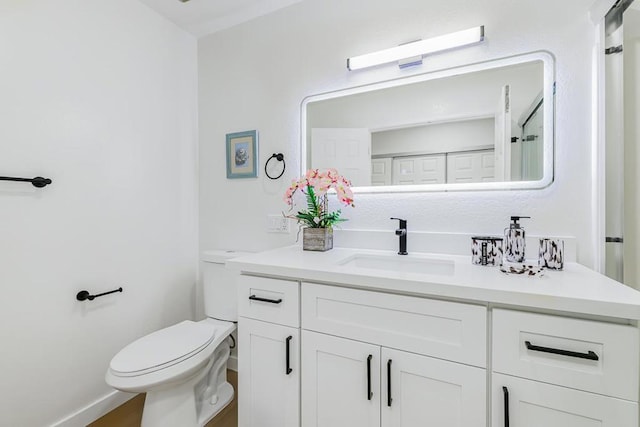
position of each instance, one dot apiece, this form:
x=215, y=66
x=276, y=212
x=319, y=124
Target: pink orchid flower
x=320, y=182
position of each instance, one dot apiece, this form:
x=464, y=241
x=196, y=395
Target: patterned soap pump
x=514, y=240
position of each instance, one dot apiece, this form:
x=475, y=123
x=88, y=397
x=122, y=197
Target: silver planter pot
x=317, y=239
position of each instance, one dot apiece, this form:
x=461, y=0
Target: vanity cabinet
x=485, y=351
x=268, y=356
x=360, y=369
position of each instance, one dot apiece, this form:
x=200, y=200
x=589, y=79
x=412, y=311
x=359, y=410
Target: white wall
x=99, y=96
x=632, y=151
x=437, y=138
x=254, y=76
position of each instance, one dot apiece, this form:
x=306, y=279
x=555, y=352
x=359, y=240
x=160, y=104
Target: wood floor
x=130, y=414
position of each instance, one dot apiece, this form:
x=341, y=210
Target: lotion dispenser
x=514, y=241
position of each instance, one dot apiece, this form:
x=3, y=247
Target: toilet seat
x=162, y=349
x=180, y=362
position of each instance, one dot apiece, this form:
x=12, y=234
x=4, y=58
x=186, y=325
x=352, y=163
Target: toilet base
x=194, y=402
x=171, y=408
x=208, y=410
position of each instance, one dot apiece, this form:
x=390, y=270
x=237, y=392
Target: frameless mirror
x=478, y=127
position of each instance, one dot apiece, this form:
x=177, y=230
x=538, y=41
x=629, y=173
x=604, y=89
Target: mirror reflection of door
x=411, y=170
x=346, y=149
x=380, y=171
x=531, y=142
x=471, y=166
x=502, y=144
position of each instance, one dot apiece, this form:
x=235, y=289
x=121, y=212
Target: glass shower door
x=532, y=141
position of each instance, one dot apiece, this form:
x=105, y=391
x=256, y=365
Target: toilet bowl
x=183, y=368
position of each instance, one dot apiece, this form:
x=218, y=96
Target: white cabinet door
x=420, y=390
x=536, y=404
x=341, y=382
x=269, y=381
x=381, y=171
x=429, y=169
x=470, y=166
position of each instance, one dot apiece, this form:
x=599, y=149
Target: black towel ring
x=279, y=157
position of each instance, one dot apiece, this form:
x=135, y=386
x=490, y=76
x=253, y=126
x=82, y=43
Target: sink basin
x=401, y=264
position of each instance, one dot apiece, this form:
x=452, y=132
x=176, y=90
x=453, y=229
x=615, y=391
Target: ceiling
x=202, y=17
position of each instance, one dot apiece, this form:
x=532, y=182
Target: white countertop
x=576, y=289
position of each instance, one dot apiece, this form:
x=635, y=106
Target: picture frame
x=242, y=154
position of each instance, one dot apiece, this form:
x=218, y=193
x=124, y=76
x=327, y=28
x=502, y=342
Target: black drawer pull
x=589, y=355
x=369, y=392
x=288, y=369
x=271, y=301
x=389, y=399
x=505, y=392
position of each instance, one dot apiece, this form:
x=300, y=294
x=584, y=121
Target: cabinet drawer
x=271, y=300
x=583, y=354
x=446, y=330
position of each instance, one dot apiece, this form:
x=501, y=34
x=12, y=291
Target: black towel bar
x=85, y=295
x=38, y=181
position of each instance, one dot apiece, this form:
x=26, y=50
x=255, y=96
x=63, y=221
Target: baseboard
x=95, y=410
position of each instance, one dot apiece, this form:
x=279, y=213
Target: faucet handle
x=403, y=222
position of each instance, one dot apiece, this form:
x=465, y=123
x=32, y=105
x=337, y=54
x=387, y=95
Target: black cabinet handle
x=505, y=392
x=271, y=301
x=288, y=369
x=369, y=392
x=589, y=355
x=389, y=399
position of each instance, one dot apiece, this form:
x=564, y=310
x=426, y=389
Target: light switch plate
x=277, y=224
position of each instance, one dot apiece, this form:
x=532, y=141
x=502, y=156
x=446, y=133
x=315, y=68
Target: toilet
x=183, y=368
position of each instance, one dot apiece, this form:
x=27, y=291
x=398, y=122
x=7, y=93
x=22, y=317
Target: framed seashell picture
x=242, y=154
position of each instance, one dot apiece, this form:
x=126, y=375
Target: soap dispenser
x=514, y=241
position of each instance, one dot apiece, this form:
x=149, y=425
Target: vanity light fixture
x=417, y=48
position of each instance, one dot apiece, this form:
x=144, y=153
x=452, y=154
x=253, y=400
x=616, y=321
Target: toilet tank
x=220, y=285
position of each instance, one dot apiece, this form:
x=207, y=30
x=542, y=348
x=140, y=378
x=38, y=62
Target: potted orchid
x=317, y=221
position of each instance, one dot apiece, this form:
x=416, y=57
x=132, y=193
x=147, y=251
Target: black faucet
x=402, y=233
